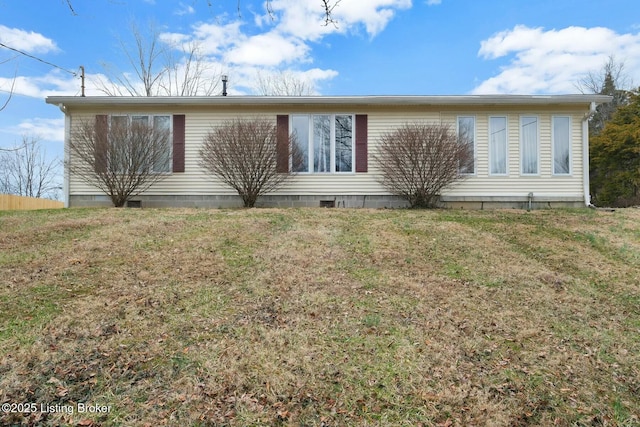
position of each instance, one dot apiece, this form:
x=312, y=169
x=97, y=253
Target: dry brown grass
x=321, y=317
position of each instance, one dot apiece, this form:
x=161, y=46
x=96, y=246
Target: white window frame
x=475, y=145
x=522, y=151
x=332, y=142
x=150, y=118
x=553, y=145
x=506, y=146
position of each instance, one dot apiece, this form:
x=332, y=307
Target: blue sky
x=390, y=47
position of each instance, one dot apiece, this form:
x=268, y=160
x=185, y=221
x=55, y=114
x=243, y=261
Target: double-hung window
x=561, y=141
x=467, y=136
x=162, y=127
x=497, y=145
x=529, y=151
x=323, y=143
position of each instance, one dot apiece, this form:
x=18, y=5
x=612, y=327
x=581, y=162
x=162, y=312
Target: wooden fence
x=9, y=202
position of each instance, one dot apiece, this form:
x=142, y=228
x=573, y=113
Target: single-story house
x=529, y=150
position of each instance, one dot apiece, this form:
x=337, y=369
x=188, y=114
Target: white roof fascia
x=414, y=100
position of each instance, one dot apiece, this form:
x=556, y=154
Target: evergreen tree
x=605, y=112
x=615, y=157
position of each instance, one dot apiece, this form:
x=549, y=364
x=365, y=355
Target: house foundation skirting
x=229, y=201
x=351, y=201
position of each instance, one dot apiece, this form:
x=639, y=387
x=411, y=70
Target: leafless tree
x=13, y=85
x=612, y=80
x=418, y=160
x=243, y=154
x=598, y=81
x=187, y=72
x=27, y=171
x=5, y=186
x=144, y=57
x=282, y=83
x=71, y=7
x=6, y=101
x=326, y=5
x=328, y=11
x=120, y=157
x=159, y=68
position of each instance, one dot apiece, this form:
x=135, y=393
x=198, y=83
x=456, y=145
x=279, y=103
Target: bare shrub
x=121, y=158
x=244, y=155
x=418, y=160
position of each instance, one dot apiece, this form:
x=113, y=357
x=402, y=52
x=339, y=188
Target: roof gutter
x=585, y=155
x=62, y=107
x=415, y=100
x=67, y=138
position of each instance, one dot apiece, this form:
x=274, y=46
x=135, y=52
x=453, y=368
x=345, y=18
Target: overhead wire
x=73, y=73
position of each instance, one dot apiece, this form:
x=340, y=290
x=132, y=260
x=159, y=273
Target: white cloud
x=301, y=19
x=229, y=43
x=306, y=19
x=553, y=61
x=319, y=74
x=281, y=39
x=185, y=9
x=47, y=129
x=373, y=14
x=214, y=39
x=277, y=41
x=281, y=80
x=26, y=41
x=270, y=49
x=53, y=83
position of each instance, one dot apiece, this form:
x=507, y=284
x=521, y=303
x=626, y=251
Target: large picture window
x=324, y=143
x=498, y=145
x=529, y=152
x=561, y=137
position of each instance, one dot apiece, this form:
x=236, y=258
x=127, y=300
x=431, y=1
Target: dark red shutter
x=101, y=143
x=282, y=143
x=361, y=143
x=178, y=142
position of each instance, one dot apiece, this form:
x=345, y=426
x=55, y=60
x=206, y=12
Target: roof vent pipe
x=225, y=79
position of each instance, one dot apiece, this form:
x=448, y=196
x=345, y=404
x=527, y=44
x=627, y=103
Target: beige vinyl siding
x=381, y=122
x=195, y=181
x=199, y=119
x=515, y=184
x=76, y=185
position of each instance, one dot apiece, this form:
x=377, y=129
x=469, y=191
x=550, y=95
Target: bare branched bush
x=121, y=158
x=418, y=160
x=243, y=154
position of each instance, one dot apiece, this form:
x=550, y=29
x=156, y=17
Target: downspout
x=585, y=155
x=65, y=173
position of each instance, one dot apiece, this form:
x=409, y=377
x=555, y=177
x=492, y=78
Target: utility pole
x=82, y=80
